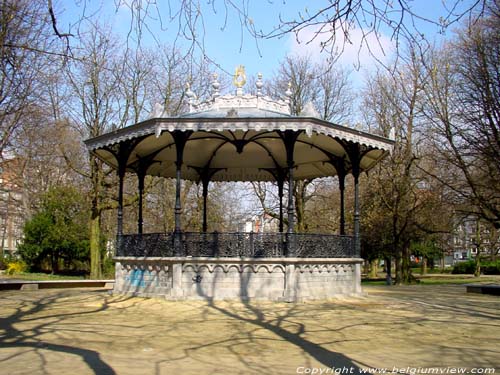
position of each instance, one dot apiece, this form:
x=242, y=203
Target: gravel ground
x=413, y=329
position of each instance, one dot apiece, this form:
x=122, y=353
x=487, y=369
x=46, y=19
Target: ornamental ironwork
x=236, y=245
x=145, y=245
x=324, y=246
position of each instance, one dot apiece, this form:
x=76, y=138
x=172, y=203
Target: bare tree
x=94, y=82
x=399, y=204
x=328, y=90
x=27, y=48
x=335, y=94
x=463, y=109
x=331, y=24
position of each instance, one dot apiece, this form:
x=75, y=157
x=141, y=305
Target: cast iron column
x=281, y=182
x=354, y=151
x=357, y=239
x=141, y=176
x=119, y=224
x=180, y=139
x=178, y=206
x=342, y=203
x=289, y=138
x=291, y=208
x=121, y=152
x=205, y=183
x=119, y=227
x=290, y=238
x=177, y=210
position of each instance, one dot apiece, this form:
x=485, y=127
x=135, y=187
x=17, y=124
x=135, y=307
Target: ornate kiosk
x=238, y=137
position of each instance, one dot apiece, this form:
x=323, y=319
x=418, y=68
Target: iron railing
x=251, y=245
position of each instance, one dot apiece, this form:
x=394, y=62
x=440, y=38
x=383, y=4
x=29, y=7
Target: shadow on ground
x=41, y=317
x=92, y=332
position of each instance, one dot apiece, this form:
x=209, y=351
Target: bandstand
x=239, y=137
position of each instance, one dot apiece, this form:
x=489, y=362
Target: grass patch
x=457, y=280
x=373, y=282
x=443, y=279
x=41, y=276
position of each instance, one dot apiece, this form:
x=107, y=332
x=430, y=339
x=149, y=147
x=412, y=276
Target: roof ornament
x=191, y=97
x=288, y=96
x=288, y=92
x=215, y=86
x=309, y=110
x=259, y=84
x=392, y=134
x=239, y=79
x=244, y=104
x=158, y=111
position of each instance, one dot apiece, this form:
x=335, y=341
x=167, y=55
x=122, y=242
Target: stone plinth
x=274, y=279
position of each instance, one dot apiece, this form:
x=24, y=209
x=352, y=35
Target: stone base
x=274, y=279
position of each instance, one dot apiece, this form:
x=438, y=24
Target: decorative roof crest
x=245, y=102
x=239, y=79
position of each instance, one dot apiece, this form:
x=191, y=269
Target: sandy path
x=91, y=332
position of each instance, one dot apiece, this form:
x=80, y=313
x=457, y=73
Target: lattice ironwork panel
x=146, y=245
x=268, y=245
x=251, y=245
x=199, y=244
x=323, y=246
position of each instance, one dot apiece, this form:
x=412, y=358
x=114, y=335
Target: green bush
x=467, y=267
x=3, y=263
x=108, y=268
x=490, y=268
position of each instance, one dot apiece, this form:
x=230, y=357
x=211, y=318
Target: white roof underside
x=244, y=148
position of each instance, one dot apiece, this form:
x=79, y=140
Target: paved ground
x=82, y=331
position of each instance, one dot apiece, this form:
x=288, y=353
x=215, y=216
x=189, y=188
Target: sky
x=225, y=41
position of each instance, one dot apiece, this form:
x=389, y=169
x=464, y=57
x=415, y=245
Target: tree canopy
x=57, y=235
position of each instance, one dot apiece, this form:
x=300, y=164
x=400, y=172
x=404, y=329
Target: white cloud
x=356, y=52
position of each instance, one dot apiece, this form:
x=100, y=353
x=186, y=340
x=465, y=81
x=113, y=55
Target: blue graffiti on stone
x=136, y=277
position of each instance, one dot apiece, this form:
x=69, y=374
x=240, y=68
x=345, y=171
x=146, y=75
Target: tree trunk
x=373, y=269
x=403, y=266
x=54, y=262
x=95, y=248
x=95, y=219
x=406, y=276
x=399, y=269
x=388, y=266
x=477, y=270
x=423, y=266
x=300, y=206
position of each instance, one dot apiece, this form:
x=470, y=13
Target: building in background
x=473, y=236
x=261, y=224
x=11, y=204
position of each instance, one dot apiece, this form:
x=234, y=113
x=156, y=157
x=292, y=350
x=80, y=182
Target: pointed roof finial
x=259, y=84
x=288, y=95
x=189, y=93
x=288, y=92
x=191, y=97
x=215, y=86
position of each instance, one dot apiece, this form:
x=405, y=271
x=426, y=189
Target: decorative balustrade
x=241, y=245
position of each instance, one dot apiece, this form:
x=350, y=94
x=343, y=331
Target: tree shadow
x=257, y=317
x=34, y=312
x=446, y=299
